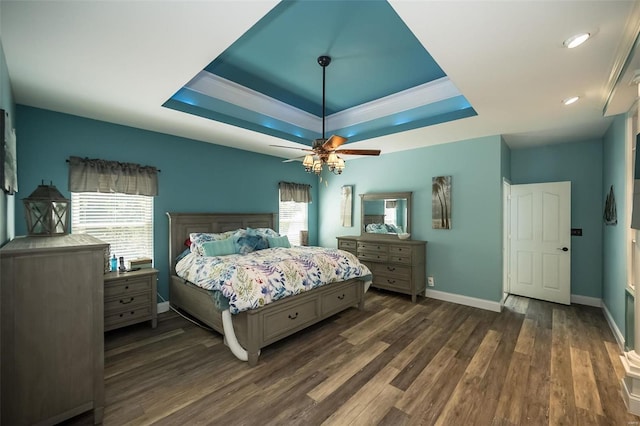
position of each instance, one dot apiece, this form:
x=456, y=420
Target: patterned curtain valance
x=298, y=192
x=94, y=175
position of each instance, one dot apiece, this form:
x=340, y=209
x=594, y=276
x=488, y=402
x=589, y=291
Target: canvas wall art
x=441, y=202
x=346, y=206
x=8, y=162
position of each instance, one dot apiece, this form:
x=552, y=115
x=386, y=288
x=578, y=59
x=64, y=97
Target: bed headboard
x=182, y=224
x=373, y=218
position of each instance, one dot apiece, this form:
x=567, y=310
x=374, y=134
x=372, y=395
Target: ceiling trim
x=225, y=90
x=218, y=88
x=415, y=97
x=624, y=53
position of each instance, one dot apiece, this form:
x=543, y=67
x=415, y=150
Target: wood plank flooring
x=395, y=363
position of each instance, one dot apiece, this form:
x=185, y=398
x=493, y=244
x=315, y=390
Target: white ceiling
x=119, y=61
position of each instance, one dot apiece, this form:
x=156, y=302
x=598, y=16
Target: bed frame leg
x=253, y=358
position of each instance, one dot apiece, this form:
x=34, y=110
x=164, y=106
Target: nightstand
x=130, y=298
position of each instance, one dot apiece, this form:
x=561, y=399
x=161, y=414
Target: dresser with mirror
x=396, y=264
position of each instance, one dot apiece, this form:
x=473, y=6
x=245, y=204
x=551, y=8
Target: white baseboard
x=586, y=300
x=614, y=328
x=488, y=305
x=163, y=307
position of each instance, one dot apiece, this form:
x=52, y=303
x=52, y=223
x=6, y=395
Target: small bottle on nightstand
x=114, y=263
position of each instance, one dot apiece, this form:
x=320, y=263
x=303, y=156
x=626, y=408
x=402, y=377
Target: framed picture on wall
x=346, y=206
x=8, y=161
x=441, y=202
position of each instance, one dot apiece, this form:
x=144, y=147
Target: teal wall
x=580, y=163
x=614, y=270
x=6, y=201
x=195, y=176
x=465, y=260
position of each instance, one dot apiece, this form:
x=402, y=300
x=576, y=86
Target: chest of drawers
x=51, y=336
x=130, y=298
x=396, y=265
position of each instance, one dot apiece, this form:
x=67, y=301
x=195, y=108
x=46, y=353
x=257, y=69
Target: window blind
x=292, y=219
x=124, y=221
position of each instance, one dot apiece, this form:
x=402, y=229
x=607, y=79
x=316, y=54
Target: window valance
x=95, y=175
x=298, y=192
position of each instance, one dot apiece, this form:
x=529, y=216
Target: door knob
x=563, y=249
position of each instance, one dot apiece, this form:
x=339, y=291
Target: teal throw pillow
x=282, y=241
x=219, y=248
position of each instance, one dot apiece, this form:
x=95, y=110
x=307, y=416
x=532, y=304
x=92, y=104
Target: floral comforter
x=253, y=280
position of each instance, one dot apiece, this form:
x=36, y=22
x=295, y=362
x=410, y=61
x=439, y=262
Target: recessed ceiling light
x=570, y=100
x=576, y=40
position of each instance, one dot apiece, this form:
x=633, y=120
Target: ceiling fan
x=326, y=150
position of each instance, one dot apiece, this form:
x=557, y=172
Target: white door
x=541, y=241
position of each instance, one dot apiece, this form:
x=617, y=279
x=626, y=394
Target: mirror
x=385, y=214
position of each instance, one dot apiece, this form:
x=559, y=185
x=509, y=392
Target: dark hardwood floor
x=395, y=363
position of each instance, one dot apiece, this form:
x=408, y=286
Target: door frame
x=506, y=238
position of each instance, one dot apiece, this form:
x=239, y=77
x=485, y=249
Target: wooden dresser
x=52, y=343
x=130, y=298
x=397, y=265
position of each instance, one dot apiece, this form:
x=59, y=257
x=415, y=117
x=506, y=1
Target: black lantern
x=47, y=212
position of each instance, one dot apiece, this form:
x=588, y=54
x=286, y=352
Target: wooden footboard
x=258, y=328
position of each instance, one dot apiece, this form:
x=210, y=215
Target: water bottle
x=114, y=263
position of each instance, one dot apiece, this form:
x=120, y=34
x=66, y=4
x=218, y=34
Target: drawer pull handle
x=292, y=317
x=391, y=281
x=129, y=301
x=390, y=268
x=399, y=259
x=126, y=287
x=341, y=297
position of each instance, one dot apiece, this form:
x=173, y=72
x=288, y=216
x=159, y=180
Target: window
x=124, y=221
x=292, y=219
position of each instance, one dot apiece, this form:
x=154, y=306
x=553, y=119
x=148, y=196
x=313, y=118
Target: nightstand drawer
x=130, y=297
x=126, y=302
x=132, y=315
x=126, y=286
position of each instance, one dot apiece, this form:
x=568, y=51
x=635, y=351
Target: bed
x=248, y=331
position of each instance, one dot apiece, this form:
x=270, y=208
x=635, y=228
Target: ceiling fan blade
x=333, y=142
x=294, y=159
x=358, y=151
x=291, y=147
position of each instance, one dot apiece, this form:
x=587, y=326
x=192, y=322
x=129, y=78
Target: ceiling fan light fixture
x=317, y=166
x=332, y=160
x=571, y=100
x=339, y=167
x=308, y=163
x=576, y=40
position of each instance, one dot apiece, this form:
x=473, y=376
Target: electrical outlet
x=430, y=281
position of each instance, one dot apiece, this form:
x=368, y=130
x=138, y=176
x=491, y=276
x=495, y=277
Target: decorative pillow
x=279, y=241
x=198, y=238
x=219, y=247
x=267, y=232
x=378, y=228
x=249, y=240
